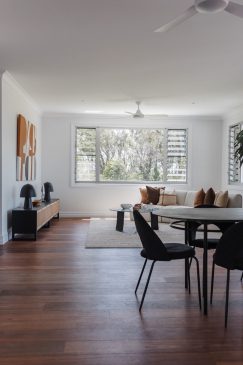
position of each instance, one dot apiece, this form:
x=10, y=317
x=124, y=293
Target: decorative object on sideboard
x=27, y=192
x=126, y=206
x=48, y=189
x=36, y=203
x=26, y=150
x=42, y=193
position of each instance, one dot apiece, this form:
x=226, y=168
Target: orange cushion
x=199, y=197
x=144, y=195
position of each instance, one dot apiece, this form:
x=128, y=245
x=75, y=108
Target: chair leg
x=241, y=276
x=212, y=283
x=188, y=276
x=198, y=282
x=190, y=262
x=146, y=286
x=141, y=274
x=186, y=273
x=227, y=299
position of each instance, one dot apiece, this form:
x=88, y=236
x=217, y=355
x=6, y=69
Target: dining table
x=205, y=217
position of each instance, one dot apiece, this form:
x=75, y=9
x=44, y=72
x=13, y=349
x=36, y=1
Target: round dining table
x=205, y=217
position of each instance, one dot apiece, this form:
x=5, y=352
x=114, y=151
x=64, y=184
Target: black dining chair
x=229, y=255
x=211, y=242
x=155, y=250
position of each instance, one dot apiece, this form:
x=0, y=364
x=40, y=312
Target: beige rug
x=102, y=234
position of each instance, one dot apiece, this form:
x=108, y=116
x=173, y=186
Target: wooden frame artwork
x=26, y=149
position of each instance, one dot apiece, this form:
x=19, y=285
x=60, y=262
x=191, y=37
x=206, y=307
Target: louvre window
x=176, y=155
x=234, y=172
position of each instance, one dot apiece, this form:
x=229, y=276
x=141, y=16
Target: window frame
x=75, y=183
x=236, y=165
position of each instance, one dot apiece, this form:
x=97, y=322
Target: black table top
x=203, y=215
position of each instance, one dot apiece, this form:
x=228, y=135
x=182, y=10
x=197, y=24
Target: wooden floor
x=63, y=304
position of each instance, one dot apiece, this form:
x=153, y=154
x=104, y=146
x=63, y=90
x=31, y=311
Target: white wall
x=233, y=117
x=14, y=101
x=96, y=199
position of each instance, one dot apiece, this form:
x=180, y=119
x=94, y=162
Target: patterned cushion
x=167, y=198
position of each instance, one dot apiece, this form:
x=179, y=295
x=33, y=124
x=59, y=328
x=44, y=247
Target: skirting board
x=95, y=214
x=4, y=238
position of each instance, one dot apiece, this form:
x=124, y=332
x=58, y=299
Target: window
x=234, y=172
x=130, y=155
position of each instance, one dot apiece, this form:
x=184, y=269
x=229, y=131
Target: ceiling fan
x=207, y=7
x=138, y=113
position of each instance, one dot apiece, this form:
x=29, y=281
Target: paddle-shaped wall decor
x=26, y=149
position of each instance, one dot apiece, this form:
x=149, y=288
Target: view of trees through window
x=131, y=155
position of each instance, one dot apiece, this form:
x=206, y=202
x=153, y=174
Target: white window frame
x=75, y=183
x=234, y=168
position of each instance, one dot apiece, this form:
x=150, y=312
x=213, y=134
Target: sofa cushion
x=209, y=197
x=167, y=198
x=221, y=199
x=144, y=195
x=190, y=196
x=199, y=197
x=153, y=194
x=180, y=197
x=235, y=201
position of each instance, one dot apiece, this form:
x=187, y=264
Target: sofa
x=185, y=199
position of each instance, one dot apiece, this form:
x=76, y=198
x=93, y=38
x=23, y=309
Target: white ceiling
x=78, y=55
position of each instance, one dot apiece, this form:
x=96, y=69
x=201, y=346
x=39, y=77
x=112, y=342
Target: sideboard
x=29, y=221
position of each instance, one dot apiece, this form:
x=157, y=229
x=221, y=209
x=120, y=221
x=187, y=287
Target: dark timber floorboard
x=62, y=304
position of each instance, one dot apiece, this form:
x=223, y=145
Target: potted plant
x=239, y=147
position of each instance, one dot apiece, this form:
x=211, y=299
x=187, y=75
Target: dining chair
x=211, y=242
x=155, y=250
x=229, y=255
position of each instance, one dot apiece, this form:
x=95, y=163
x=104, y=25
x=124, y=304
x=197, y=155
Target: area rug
x=102, y=234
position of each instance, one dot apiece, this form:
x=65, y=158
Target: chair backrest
x=154, y=247
x=229, y=251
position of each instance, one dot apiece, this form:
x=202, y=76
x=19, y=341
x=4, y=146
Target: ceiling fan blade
x=129, y=113
x=180, y=19
x=235, y=9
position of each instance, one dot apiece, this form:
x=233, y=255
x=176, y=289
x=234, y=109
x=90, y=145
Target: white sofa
x=185, y=199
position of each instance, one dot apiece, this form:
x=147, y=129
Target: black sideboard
x=29, y=221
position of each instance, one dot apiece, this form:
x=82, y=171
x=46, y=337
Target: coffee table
x=120, y=214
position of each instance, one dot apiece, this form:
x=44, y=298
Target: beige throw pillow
x=221, y=199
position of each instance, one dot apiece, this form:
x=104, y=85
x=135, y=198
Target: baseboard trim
x=4, y=238
x=101, y=213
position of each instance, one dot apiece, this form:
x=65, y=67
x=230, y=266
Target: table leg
x=120, y=221
x=205, y=269
x=186, y=261
x=154, y=221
